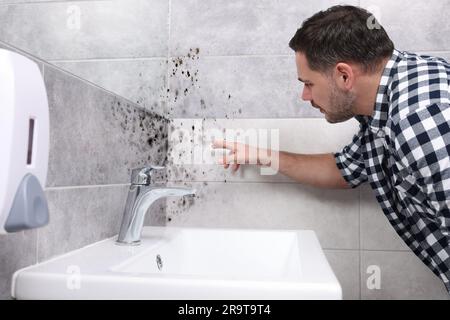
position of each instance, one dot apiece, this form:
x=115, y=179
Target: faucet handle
x=142, y=175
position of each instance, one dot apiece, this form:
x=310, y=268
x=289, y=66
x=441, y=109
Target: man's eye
x=309, y=85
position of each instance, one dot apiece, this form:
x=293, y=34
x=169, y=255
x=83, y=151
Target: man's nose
x=306, y=94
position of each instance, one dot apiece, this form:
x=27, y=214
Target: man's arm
x=318, y=170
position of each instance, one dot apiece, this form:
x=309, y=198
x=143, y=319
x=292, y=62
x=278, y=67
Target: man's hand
x=241, y=153
x=317, y=170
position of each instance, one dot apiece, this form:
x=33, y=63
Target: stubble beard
x=342, y=104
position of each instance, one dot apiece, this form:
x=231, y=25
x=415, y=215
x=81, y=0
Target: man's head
x=337, y=51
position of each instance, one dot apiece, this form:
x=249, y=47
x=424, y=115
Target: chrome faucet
x=141, y=196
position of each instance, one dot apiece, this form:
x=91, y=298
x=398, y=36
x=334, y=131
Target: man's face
x=322, y=91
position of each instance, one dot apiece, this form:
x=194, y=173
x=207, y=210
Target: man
x=402, y=101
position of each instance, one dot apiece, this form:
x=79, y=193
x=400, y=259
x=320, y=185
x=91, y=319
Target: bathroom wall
x=226, y=64
x=95, y=138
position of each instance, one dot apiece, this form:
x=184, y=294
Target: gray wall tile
x=345, y=265
x=376, y=231
x=95, y=137
x=134, y=28
x=5, y=286
x=156, y=214
x=142, y=81
x=445, y=55
x=238, y=27
x=403, y=276
x=80, y=216
x=420, y=26
x=236, y=87
x=333, y=215
x=17, y=250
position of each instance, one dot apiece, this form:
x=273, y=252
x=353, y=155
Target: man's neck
x=368, y=85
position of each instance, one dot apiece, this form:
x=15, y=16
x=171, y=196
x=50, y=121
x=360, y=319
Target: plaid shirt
x=403, y=151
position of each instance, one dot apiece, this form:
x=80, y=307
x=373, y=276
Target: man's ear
x=344, y=76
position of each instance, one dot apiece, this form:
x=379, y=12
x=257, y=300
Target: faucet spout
x=140, y=198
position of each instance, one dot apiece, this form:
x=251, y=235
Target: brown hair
x=342, y=34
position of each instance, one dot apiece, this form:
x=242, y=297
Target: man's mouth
x=316, y=106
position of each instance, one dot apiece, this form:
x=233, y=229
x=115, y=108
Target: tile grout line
x=365, y=250
x=143, y=58
x=100, y=59
x=46, y=2
x=86, y=186
x=294, y=117
x=105, y=59
x=166, y=94
x=167, y=89
x=222, y=181
x=233, y=56
x=219, y=56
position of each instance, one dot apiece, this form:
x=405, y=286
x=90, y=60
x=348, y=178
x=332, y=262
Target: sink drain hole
x=159, y=262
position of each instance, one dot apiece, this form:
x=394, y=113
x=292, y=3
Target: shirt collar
x=381, y=110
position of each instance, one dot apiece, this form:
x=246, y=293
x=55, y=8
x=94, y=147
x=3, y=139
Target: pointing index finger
x=222, y=144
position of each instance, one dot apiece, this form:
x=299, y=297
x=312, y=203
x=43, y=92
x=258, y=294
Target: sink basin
x=185, y=264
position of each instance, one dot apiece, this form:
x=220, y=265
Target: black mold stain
x=144, y=132
x=202, y=104
x=182, y=205
x=183, y=66
x=184, y=69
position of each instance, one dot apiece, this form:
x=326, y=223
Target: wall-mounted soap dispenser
x=24, y=144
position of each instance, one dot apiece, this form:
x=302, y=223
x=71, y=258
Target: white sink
x=185, y=264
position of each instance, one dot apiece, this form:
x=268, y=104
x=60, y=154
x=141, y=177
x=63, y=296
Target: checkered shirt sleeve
x=350, y=160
